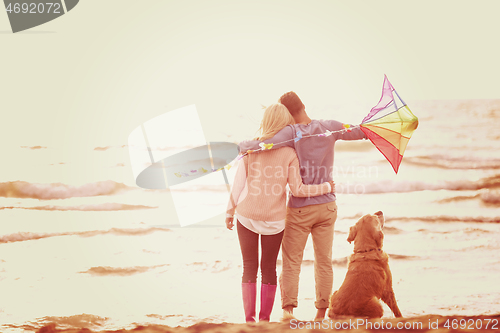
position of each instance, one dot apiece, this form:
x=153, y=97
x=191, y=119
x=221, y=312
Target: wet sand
x=429, y=323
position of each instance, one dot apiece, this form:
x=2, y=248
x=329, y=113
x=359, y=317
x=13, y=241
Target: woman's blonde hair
x=275, y=118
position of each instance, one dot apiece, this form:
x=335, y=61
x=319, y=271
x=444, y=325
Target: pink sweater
x=259, y=188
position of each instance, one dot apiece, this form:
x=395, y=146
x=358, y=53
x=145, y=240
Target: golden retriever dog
x=368, y=277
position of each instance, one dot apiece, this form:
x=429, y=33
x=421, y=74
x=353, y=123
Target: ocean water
x=105, y=254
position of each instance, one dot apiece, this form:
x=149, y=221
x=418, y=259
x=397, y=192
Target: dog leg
x=388, y=296
x=390, y=299
x=287, y=316
x=331, y=312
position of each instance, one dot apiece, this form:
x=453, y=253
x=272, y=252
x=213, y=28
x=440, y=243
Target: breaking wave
x=108, y=147
x=343, y=261
x=487, y=197
x=213, y=267
x=432, y=218
x=34, y=147
x=412, y=186
x=85, y=208
x=443, y=162
x=446, y=218
x=119, y=271
x=27, y=236
x=21, y=189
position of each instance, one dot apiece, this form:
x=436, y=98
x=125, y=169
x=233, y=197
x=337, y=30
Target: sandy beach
x=430, y=323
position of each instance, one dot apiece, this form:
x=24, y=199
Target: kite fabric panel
x=389, y=125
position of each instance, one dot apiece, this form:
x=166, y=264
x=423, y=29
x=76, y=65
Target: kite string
x=264, y=146
x=347, y=128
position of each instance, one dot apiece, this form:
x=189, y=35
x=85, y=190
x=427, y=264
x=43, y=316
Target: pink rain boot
x=249, y=293
x=267, y=293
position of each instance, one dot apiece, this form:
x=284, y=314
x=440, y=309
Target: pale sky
x=90, y=77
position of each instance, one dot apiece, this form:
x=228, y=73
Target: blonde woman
x=259, y=200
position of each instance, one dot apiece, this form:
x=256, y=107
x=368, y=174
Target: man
x=312, y=215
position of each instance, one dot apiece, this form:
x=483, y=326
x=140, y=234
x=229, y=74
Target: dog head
x=367, y=232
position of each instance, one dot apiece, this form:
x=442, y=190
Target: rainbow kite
x=389, y=125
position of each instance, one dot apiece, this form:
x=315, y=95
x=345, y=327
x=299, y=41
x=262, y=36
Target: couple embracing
x=258, y=207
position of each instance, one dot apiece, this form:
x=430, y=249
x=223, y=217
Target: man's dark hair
x=292, y=103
